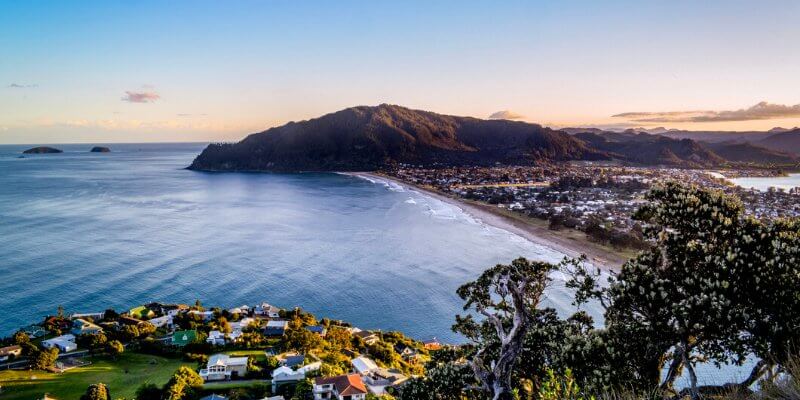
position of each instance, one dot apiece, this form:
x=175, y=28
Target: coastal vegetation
x=715, y=287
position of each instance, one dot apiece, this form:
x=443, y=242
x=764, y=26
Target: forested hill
x=367, y=138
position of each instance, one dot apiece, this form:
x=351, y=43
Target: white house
x=284, y=375
x=223, y=366
x=163, y=321
x=205, y=315
x=342, y=387
x=216, y=338
x=268, y=310
x=363, y=365
x=64, y=343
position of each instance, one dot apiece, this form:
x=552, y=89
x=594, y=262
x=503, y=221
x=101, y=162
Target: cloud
x=506, y=114
x=140, y=97
x=760, y=111
x=23, y=86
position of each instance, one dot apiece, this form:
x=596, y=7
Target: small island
x=100, y=149
x=42, y=150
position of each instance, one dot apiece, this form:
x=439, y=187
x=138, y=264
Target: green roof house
x=141, y=312
x=182, y=338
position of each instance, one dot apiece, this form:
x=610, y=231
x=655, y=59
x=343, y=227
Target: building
x=83, y=327
x=276, y=328
x=10, y=351
x=377, y=381
x=267, y=310
x=214, y=397
x=223, y=366
x=363, y=365
x=163, y=321
x=182, y=338
x=367, y=336
x=318, y=329
x=342, y=387
x=286, y=375
x=64, y=343
x=291, y=360
x=216, y=338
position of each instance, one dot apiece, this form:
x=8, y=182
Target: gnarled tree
x=507, y=297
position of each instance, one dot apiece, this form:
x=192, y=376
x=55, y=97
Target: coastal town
x=598, y=199
x=245, y=352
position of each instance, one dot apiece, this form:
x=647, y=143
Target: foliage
x=45, y=359
x=148, y=391
x=115, y=348
x=183, y=384
x=507, y=297
x=21, y=338
x=715, y=286
x=98, y=391
x=561, y=387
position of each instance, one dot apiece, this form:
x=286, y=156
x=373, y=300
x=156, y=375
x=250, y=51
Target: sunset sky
x=198, y=71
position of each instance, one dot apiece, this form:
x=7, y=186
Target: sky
x=148, y=71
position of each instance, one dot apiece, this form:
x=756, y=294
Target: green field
x=123, y=377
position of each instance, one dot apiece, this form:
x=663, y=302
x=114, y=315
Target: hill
x=749, y=153
x=787, y=141
x=644, y=148
x=367, y=138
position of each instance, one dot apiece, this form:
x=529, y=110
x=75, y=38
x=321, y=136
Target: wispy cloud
x=760, y=111
x=23, y=85
x=506, y=114
x=140, y=97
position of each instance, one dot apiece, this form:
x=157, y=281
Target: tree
x=302, y=340
x=506, y=296
x=115, y=348
x=716, y=286
x=93, y=341
x=148, y=391
x=97, y=391
x=183, y=384
x=223, y=325
x=110, y=315
x=45, y=359
x=303, y=390
x=20, y=338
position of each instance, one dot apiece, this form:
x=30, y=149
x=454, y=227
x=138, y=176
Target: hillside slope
x=366, y=138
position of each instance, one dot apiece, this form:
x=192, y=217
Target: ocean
x=94, y=230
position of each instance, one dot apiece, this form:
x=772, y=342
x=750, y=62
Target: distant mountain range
x=368, y=138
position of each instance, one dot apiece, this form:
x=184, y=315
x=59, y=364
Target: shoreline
x=559, y=241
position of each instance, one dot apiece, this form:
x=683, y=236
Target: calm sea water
x=781, y=182
x=90, y=231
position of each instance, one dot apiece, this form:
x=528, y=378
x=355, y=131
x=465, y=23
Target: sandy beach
x=569, y=245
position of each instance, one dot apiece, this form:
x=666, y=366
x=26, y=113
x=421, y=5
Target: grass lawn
x=27, y=385
x=257, y=354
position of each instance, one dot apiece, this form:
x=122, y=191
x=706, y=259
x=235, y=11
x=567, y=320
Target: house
x=10, y=351
x=204, y=315
x=407, y=352
x=291, y=360
x=342, y=387
x=223, y=366
x=84, y=327
x=245, y=309
x=182, y=338
x=64, y=343
x=242, y=323
x=363, y=365
x=367, y=336
x=126, y=320
x=286, y=375
x=216, y=338
x=379, y=380
x=318, y=329
x=163, y=321
x=432, y=344
x=267, y=310
x=141, y=312
x=276, y=327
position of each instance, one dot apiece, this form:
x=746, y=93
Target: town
x=180, y=351
x=596, y=198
